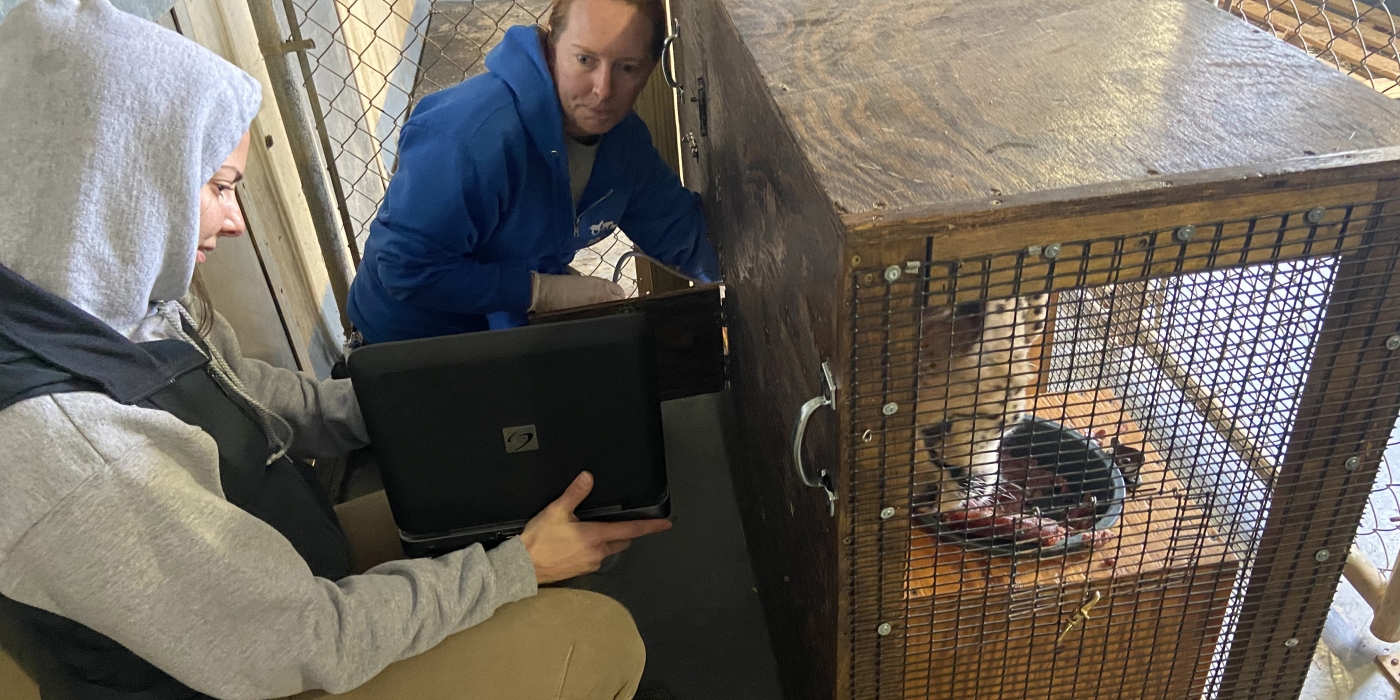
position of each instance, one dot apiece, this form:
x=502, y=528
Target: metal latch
x=286, y=47
x=702, y=102
x=1079, y=617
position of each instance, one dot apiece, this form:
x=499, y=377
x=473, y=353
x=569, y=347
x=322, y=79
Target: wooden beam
x=1386, y=624
x=271, y=194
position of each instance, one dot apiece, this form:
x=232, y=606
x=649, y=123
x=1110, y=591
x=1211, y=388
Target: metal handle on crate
x=666, y=65
x=799, y=432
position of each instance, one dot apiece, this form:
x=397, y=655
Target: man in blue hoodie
x=502, y=178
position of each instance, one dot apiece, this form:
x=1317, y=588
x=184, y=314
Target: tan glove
x=554, y=292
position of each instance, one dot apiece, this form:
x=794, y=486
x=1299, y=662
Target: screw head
x=887, y=513
x=1392, y=343
x=884, y=629
x=1051, y=251
x=892, y=273
x=1315, y=215
x=1353, y=462
x=1322, y=555
x=890, y=408
x=855, y=259
x=1184, y=233
x=1292, y=642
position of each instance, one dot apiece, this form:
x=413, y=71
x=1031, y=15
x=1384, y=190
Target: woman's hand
x=562, y=547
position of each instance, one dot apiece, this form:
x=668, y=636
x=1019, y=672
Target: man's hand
x=554, y=292
x=562, y=547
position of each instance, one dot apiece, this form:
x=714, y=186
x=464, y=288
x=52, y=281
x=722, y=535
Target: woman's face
x=600, y=63
x=219, y=214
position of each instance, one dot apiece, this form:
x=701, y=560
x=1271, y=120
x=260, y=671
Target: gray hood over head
x=110, y=125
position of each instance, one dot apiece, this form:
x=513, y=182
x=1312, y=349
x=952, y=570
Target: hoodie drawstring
x=278, y=431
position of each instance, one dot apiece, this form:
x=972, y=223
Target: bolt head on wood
x=1314, y=216
x=1322, y=555
x=1184, y=233
x=884, y=629
x=890, y=408
x=1392, y=343
x=1292, y=642
x=1353, y=462
x=1051, y=251
x=886, y=514
x=892, y=273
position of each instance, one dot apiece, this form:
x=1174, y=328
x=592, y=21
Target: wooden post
x=1386, y=625
x=1364, y=577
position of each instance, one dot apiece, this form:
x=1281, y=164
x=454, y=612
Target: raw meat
x=1009, y=515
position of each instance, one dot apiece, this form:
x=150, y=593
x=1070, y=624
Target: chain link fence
x=373, y=60
x=1356, y=36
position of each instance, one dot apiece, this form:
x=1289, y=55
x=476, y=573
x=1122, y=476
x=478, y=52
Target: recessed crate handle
x=799, y=431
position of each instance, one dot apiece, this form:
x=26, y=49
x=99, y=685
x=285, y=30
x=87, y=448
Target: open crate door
x=689, y=328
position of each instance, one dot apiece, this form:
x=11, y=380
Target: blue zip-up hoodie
x=481, y=198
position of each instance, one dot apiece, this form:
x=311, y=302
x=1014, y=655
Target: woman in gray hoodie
x=158, y=536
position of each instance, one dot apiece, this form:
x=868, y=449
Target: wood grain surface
x=916, y=102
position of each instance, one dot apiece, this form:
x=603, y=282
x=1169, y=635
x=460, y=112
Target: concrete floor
x=691, y=589
x=1343, y=665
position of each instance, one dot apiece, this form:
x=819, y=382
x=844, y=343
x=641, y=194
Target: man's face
x=601, y=62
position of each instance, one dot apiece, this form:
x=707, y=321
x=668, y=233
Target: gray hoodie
x=113, y=515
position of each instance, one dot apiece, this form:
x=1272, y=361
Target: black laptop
x=475, y=434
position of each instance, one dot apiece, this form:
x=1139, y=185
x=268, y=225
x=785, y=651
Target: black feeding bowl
x=1071, y=456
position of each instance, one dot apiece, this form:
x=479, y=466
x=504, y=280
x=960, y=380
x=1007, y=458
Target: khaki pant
x=559, y=645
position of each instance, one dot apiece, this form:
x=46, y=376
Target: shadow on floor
x=691, y=588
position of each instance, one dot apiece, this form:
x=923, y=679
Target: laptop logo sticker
x=521, y=438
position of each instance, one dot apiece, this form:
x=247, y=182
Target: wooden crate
x=946, y=146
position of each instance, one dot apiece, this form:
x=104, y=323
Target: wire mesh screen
x=374, y=59
x=1356, y=36
x=1064, y=460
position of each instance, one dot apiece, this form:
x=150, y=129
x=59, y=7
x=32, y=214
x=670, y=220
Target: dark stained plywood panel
x=781, y=248
x=689, y=342
x=926, y=102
